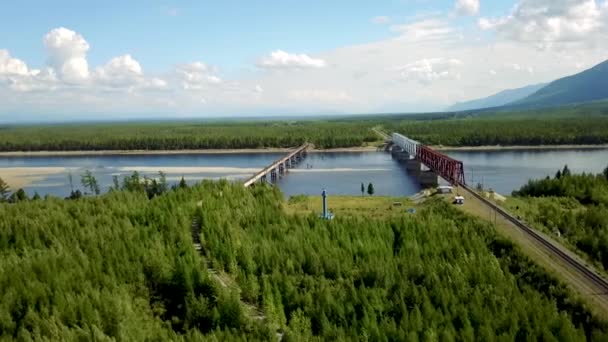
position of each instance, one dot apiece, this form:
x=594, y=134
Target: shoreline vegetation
x=286, y=150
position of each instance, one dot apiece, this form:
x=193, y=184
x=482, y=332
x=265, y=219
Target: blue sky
x=210, y=58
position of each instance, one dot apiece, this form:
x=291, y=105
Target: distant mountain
x=497, y=100
x=589, y=85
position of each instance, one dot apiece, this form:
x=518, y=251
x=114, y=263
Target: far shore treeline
x=572, y=125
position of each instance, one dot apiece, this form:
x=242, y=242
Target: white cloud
x=281, y=59
x=545, y=23
x=467, y=7
x=196, y=76
x=258, y=88
x=430, y=30
x=11, y=66
x=67, y=54
x=381, y=20
x=428, y=70
x=120, y=71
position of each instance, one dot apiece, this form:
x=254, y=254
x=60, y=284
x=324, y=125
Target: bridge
x=438, y=163
x=279, y=166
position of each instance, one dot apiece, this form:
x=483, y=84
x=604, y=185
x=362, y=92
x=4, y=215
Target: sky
x=82, y=60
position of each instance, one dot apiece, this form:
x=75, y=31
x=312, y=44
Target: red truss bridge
x=450, y=169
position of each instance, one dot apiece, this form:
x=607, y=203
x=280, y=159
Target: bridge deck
x=275, y=165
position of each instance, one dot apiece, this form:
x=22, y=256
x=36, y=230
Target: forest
x=571, y=207
x=122, y=266
x=575, y=125
x=185, y=135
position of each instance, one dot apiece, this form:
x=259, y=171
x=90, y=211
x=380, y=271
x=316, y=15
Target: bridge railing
x=275, y=164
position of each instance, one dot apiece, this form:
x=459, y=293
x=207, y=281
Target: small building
x=459, y=200
x=444, y=189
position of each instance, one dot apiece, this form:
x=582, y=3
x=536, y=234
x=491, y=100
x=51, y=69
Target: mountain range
x=586, y=86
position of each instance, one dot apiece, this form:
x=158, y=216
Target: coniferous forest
x=572, y=207
x=123, y=266
x=575, y=125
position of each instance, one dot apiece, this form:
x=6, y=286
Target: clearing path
x=224, y=279
x=543, y=250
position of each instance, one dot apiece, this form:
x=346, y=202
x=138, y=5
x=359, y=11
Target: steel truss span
x=449, y=169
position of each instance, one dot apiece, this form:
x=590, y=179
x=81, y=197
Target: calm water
x=339, y=173
x=505, y=171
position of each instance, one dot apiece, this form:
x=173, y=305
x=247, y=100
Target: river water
x=339, y=173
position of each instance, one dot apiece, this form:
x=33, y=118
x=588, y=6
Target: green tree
x=116, y=183
x=362, y=189
x=4, y=190
x=558, y=174
x=162, y=182
x=182, y=183
x=36, y=196
x=606, y=172
x=566, y=171
x=18, y=196
x=89, y=181
x=370, y=189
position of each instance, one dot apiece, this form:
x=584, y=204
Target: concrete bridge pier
x=273, y=175
x=428, y=179
x=281, y=169
x=413, y=165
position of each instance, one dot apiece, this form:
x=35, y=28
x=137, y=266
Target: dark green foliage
x=118, y=266
x=176, y=136
x=36, y=196
x=574, y=207
x=18, y=196
x=370, y=189
x=75, y=195
x=506, y=131
x=90, y=182
x=432, y=275
x=4, y=190
x=362, y=189
x=606, y=173
x=585, y=188
x=182, y=183
x=122, y=266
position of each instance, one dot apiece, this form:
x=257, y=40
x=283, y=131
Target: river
x=338, y=172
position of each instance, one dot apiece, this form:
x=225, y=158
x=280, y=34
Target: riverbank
x=171, y=152
x=19, y=177
x=520, y=148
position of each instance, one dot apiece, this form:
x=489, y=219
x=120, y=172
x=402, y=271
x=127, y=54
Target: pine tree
x=182, y=183
x=4, y=190
x=565, y=171
x=370, y=189
x=362, y=189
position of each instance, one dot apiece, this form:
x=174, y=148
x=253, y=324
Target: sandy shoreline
x=19, y=177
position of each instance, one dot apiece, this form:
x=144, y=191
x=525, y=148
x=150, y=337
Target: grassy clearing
x=342, y=206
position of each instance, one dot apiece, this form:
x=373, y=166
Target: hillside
x=589, y=85
x=499, y=99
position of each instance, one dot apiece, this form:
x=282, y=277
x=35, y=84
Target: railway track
x=581, y=268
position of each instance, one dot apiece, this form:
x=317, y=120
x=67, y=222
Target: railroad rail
x=279, y=166
x=585, y=271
